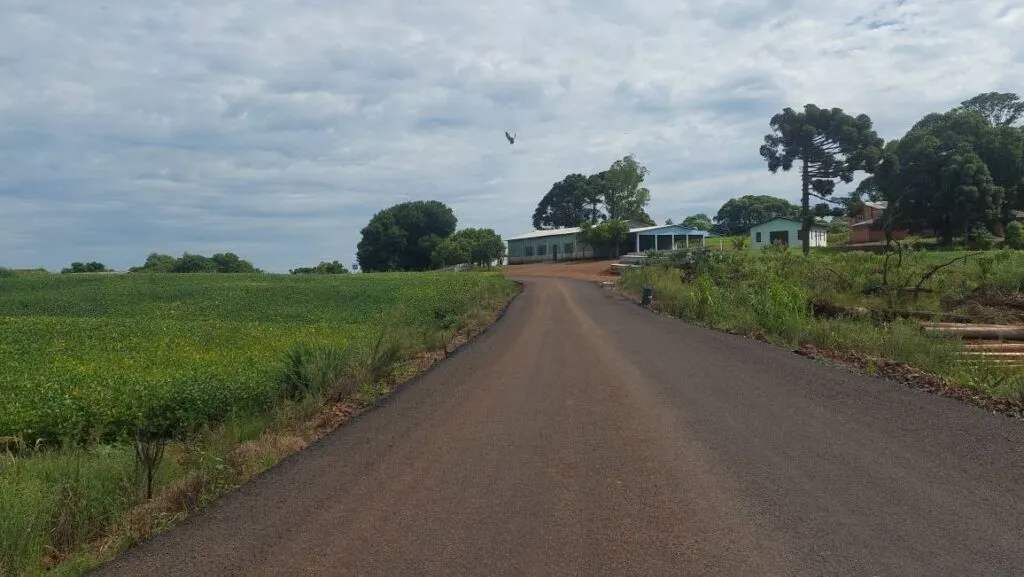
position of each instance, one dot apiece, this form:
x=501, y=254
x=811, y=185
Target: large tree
x=1000, y=108
x=737, y=215
x=624, y=195
x=1001, y=147
x=830, y=145
x=934, y=176
x=403, y=236
x=479, y=246
x=616, y=193
x=699, y=221
x=573, y=200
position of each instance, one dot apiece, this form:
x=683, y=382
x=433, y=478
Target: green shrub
x=1014, y=237
x=982, y=239
x=313, y=370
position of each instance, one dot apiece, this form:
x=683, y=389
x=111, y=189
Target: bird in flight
x=511, y=137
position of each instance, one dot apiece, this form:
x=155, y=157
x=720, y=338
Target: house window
x=779, y=237
x=757, y=237
x=800, y=234
x=542, y=250
x=527, y=251
x=570, y=248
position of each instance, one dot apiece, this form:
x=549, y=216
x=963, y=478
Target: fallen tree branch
x=928, y=275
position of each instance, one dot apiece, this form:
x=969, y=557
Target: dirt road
x=586, y=436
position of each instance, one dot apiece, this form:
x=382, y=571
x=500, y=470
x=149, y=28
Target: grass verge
x=769, y=295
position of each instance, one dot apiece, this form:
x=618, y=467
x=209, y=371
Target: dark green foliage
x=737, y=215
x=616, y=193
x=838, y=225
x=624, y=194
x=156, y=263
x=1014, y=237
x=478, y=246
x=605, y=238
x=698, y=221
x=189, y=263
x=934, y=177
x=830, y=145
x=333, y=267
x=982, y=239
x=999, y=108
x=403, y=237
x=231, y=263
x=228, y=262
x=77, y=267
x=573, y=200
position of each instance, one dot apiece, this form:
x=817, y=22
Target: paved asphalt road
x=586, y=436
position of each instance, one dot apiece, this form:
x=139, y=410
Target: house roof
x=863, y=223
x=880, y=205
x=669, y=229
x=815, y=225
x=547, y=232
x=643, y=230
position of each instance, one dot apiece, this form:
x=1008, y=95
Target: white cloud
x=277, y=128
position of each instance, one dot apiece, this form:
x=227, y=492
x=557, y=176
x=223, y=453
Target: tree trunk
x=805, y=208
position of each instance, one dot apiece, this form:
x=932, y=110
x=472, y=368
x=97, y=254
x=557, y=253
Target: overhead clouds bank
x=275, y=129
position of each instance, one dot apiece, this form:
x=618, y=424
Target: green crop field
x=88, y=355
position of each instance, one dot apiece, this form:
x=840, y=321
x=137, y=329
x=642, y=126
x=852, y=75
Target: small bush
x=313, y=370
x=1014, y=237
x=6, y=272
x=982, y=239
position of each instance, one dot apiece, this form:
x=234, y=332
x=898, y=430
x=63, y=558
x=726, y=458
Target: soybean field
x=89, y=355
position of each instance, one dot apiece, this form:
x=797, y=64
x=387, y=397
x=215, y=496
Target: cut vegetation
x=127, y=401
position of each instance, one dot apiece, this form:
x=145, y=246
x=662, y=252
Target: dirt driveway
x=591, y=270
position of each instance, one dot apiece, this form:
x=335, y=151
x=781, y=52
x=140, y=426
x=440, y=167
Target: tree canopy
x=830, y=145
x=223, y=262
x=478, y=246
x=999, y=108
x=78, y=267
x=324, y=267
x=935, y=176
x=403, y=237
x=615, y=193
x=737, y=215
x=624, y=195
x=571, y=201
x=699, y=221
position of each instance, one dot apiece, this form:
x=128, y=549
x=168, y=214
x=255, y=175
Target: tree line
x=227, y=262
x=613, y=194
x=958, y=173
x=421, y=235
x=955, y=173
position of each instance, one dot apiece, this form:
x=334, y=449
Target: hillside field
x=85, y=354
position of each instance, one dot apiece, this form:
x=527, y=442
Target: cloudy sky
x=276, y=128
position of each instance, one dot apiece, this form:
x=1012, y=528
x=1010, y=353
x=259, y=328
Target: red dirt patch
x=592, y=270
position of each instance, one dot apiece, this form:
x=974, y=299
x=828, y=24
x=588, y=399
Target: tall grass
x=769, y=292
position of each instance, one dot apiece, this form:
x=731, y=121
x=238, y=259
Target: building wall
x=862, y=234
x=544, y=248
x=761, y=235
